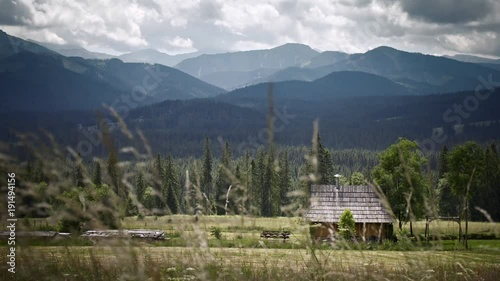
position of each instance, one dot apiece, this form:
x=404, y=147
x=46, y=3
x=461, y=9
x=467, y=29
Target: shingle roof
x=328, y=203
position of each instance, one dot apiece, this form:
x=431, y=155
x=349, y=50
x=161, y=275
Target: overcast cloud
x=179, y=26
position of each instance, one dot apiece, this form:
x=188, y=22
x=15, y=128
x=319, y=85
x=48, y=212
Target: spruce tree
x=206, y=179
x=97, y=178
x=112, y=169
x=159, y=185
x=284, y=182
x=140, y=187
x=29, y=170
x=267, y=209
x=171, y=186
x=77, y=174
x=223, y=180
x=258, y=171
x=325, y=164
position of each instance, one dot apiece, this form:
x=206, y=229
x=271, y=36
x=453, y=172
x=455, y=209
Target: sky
x=181, y=26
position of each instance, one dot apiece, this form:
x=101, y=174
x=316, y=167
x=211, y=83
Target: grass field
x=240, y=254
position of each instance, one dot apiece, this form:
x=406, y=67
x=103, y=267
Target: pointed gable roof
x=329, y=202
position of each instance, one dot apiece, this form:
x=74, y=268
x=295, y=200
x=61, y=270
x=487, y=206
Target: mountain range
x=362, y=100
x=33, y=77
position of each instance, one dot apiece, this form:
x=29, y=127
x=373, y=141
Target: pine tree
x=171, y=186
x=258, y=171
x=246, y=180
x=29, y=170
x=284, y=182
x=325, y=164
x=221, y=186
x=97, y=178
x=78, y=176
x=267, y=209
x=38, y=175
x=112, y=169
x=140, y=188
x=226, y=156
x=223, y=180
x=159, y=185
x=206, y=180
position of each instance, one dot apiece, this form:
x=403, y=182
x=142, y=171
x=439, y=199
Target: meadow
x=192, y=252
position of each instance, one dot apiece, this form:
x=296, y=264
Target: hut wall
x=366, y=231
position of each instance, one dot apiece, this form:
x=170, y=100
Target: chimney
x=337, y=180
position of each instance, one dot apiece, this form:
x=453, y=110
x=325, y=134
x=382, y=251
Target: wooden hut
x=328, y=202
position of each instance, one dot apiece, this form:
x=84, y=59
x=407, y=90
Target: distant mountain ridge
x=473, y=59
x=153, y=56
x=35, y=78
x=74, y=51
x=424, y=74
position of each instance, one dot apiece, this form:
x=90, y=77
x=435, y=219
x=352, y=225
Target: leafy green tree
x=465, y=164
x=465, y=168
x=448, y=202
x=357, y=178
x=489, y=195
x=149, y=198
x=400, y=175
x=443, y=162
x=347, y=225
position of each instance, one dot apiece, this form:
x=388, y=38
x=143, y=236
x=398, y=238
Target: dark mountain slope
x=422, y=73
x=35, y=78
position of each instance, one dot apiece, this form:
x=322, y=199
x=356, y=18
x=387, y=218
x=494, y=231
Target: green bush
x=216, y=232
x=347, y=225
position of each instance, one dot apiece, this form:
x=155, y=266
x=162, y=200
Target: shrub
x=347, y=225
x=216, y=232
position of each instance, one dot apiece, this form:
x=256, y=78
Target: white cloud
x=180, y=42
x=222, y=25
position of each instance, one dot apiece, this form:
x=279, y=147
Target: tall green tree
x=97, y=177
x=78, y=174
x=465, y=168
x=206, y=179
x=257, y=186
x=267, y=209
x=400, y=175
x=284, y=182
x=159, y=183
x=357, y=178
x=443, y=162
x=112, y=169
x=465, y=163
x=488, y=197
x=171, y=185
x=325, y=164
x=448, y=201
x=140, y=186
x=223, y=180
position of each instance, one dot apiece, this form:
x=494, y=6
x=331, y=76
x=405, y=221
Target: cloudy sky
x=180, y=26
